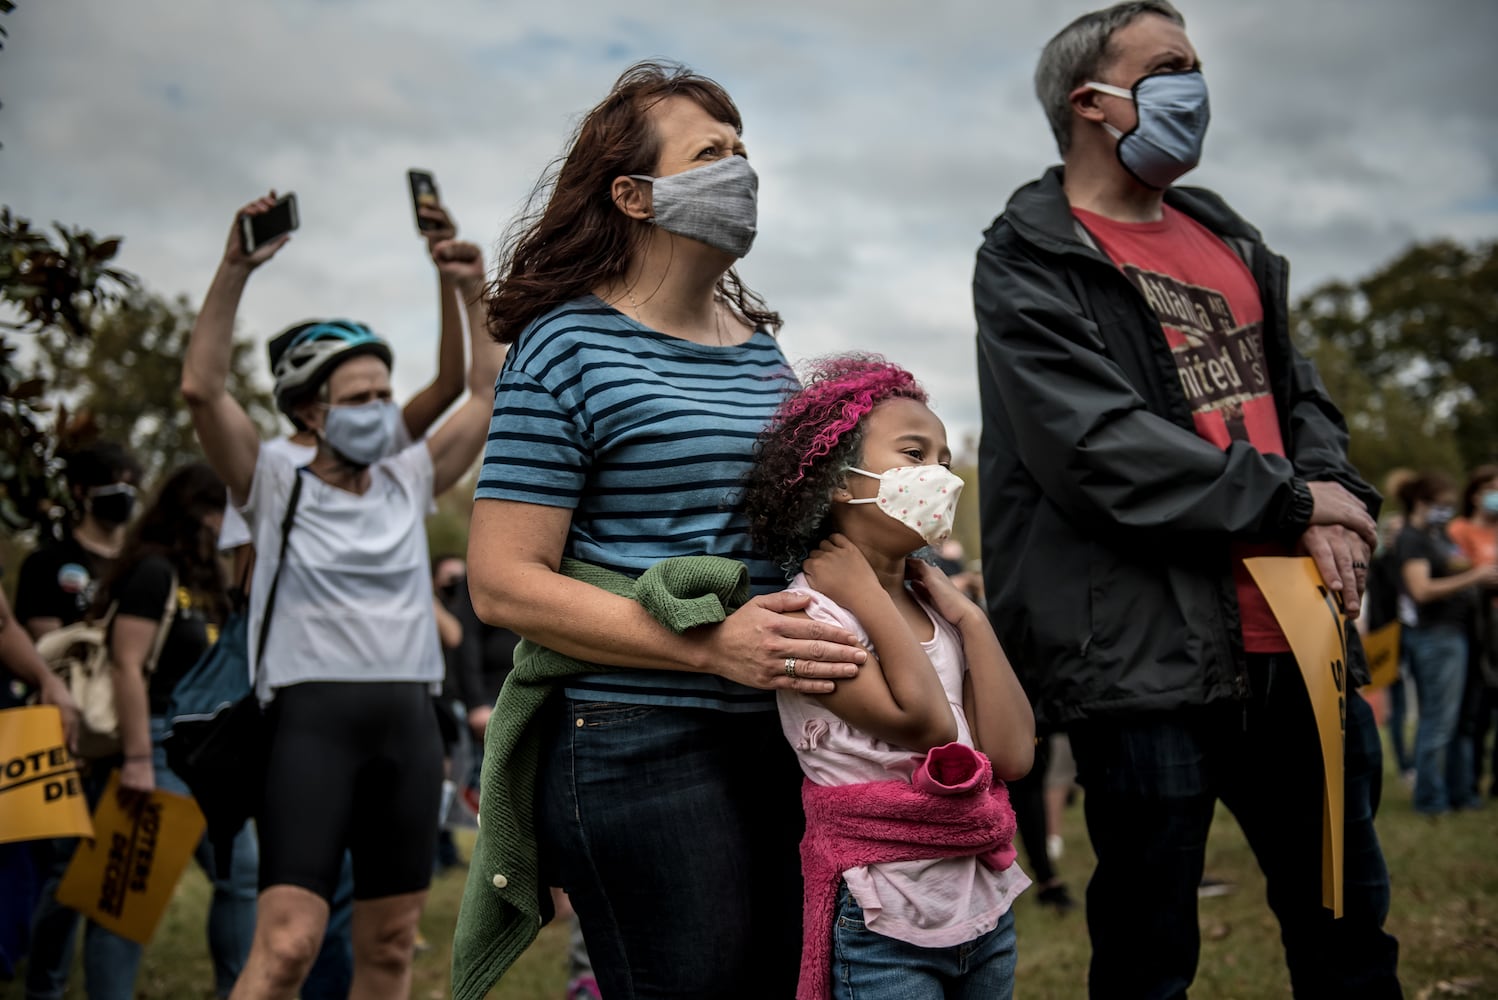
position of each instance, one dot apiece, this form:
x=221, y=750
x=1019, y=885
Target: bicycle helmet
x=303, y=356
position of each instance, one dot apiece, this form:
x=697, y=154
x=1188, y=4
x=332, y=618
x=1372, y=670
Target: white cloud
x=888, y=135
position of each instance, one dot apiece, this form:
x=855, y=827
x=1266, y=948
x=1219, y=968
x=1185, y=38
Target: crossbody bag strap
x=168, y=617
x=275, y=580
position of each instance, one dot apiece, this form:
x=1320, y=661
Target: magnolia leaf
x=29, y=389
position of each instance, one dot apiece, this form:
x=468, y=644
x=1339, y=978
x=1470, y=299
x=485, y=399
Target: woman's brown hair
x=579, y=239
x=1427, y=487
x=174, y=527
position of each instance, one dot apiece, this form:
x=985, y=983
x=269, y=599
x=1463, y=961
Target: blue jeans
x=675, y=833
x=1443, y=762
x=1398, y=713
x=110, y=962
x=1152, y=784
x=867, y=965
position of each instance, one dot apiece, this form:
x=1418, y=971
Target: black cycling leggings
x=356, y=766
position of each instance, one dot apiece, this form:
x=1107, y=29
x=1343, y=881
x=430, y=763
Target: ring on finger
x=1359, y=565
x=790, y=666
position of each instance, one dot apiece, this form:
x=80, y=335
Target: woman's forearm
x=1439, y=588
x=451, y=351
x=585, y=622
x=488, y=354
x=132, y=706
x=514, y=551
x=205, y=366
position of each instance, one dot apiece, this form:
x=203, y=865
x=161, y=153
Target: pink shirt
x=934, y=904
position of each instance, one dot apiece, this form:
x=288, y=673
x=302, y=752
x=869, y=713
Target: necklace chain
x=634, y=306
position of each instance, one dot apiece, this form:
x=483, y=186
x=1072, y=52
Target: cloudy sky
x=887, y=136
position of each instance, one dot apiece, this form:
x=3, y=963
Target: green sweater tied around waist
x=502, y=901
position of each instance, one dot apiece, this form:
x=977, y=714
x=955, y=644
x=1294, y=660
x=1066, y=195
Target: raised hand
x=234, y=250
x=838, y=569
x=444, y=227
x=461, y=261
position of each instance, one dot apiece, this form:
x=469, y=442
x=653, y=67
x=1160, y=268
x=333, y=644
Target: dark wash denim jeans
x=1152, y=783
x=867, y=965
x=676, y=833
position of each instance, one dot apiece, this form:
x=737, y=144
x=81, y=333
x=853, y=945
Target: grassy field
x=1445, y=914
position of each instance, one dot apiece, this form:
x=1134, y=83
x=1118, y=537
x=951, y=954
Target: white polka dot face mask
x=921, y=497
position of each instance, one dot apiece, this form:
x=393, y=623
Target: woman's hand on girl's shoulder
x=770, y=643
x=938, y=590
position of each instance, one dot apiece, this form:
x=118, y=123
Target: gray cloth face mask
x=1172, y=112
x=362, y=434
x=716, y=204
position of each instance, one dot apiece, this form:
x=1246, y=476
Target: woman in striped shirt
x=642, y=371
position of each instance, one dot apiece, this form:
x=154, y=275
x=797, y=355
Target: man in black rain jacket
x=1148, y=425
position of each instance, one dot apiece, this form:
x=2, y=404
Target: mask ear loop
x=1112, y=91
x=861, y=472
x=1108, y=88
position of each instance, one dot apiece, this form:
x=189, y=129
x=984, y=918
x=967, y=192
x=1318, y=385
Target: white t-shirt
x=355, y=599
x=235, y=531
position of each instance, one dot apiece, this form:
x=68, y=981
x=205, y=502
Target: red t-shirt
x=1208, y=305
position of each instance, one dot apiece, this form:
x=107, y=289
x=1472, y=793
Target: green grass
x=1445, y=914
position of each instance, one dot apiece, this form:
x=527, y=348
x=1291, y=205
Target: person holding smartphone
x=355, y=758
x=419, y=412
x=331, y=972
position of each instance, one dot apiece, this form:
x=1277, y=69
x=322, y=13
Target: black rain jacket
x=1107, y=521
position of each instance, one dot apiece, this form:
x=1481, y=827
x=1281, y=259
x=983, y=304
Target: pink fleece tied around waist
x=951, y=808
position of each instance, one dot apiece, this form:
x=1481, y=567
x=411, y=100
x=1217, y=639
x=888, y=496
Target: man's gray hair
x=1078, y=52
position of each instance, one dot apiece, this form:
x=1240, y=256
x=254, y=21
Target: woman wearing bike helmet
x=351, y=654
x=419, y=412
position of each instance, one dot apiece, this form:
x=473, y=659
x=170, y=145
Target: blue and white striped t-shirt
x=646, y=438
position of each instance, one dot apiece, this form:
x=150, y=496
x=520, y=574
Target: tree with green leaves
x=56, y=287
x=127, y=377
x=1410, y=353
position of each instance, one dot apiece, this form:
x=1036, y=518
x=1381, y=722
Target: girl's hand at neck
x=851, y=573
x=897, y=695
x=938, y=590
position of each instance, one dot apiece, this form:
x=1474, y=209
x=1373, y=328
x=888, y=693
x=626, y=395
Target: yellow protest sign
x=124, y=878
x=40, y=792
x=1382, y=648
x=1312, y=621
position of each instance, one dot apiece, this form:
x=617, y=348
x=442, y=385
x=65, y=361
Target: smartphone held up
x=423, y=195
x=256, y=231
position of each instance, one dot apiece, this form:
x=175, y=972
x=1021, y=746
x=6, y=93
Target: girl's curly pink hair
x=802, y=453
x=837, y=393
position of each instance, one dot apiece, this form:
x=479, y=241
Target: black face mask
x=112, y=504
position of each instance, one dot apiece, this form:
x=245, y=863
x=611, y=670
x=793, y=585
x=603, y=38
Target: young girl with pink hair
x=907, y=858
